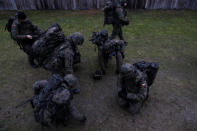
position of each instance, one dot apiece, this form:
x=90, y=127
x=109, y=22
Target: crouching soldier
x=53, y=101
x=25, y=34
x=106, y=49
x=72, y=54
x=56, y=52
x=115, y=14
x=133, y=85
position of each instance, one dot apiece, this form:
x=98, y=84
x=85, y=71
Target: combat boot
x=31, y=62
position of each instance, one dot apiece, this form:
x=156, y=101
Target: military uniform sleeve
x=37, y=29
x=15, y=32
x=143, y=88
x=141, y=95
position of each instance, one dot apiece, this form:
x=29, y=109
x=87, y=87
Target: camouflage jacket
x=19, y=30
x=135, y=88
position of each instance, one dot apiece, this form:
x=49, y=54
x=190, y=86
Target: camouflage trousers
x=117, y=31
x=103, y=60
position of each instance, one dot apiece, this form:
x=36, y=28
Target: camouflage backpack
x=52, y=38
x=113, y=46
x=8, y=26
x=108, y=12
x=149, y=68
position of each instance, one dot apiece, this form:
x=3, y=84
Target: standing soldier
x=133, y=84
x=115, y=14
x=25, y=34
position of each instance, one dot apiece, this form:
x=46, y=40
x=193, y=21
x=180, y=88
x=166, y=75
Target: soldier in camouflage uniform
x=118, y=19
x=25, y=34
x=106, y=49
x=132, y=88
x=65, y=56
x=58, y=53
x=73, y=57
x=53, y=100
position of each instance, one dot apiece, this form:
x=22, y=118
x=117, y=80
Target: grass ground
x=167, y=37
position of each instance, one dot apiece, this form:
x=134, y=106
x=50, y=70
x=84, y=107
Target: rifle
x=25, y=102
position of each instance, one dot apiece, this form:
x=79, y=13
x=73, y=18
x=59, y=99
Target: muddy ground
x=167, y=37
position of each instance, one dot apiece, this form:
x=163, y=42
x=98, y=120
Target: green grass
x=167, y=37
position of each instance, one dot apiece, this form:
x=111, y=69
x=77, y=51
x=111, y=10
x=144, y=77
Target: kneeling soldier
x=53, y=100
x=133, y=85
x=56, y=52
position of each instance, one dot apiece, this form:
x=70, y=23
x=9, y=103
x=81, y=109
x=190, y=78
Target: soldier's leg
x=68, y=62
x=106, y=60
x=43, y=117
x=119, y=62
x=75, y=113
x=114, y=32
x=134, y=107
x=47, y=118
x=31, y=61
x=120, y=34
x=101, y=59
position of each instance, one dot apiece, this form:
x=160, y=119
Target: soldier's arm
x=37, y=29
x=15, y=33
x=142, y=94
x=74, y=112
x=39, y=85
x=120, y=13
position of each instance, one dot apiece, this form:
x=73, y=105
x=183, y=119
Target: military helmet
x=77, y=38
x=36, y=88
x=70, y=79
x=104, y=32
x=127, y=70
